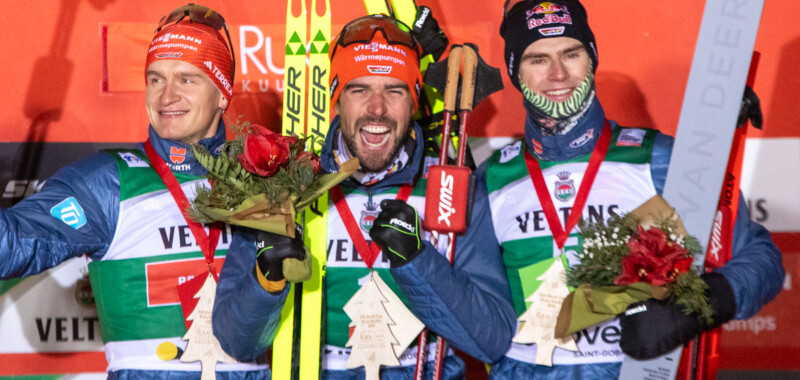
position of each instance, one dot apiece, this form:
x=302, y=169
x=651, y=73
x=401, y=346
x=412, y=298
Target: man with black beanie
x=551, y=58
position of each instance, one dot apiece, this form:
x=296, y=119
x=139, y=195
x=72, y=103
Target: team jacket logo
x=177, y=155
x=565, y=188
x=537, y=147
x=631, y=137
x=582, y=140
x=70, y=212
x=510, y=151
x=133, y=160
x=545, y=14
x=368, y=216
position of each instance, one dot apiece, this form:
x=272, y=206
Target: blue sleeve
x=468, y=304
x=74, y=213
x=755, y=270
x=662, y=151
x=245, y=317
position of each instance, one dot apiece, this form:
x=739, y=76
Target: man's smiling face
x=182, y=103
x=375, y=113
x=554, y=67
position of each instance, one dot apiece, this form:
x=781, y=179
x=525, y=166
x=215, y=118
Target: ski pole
x=470, y=63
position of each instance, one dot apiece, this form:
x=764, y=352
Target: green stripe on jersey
x=121, y=295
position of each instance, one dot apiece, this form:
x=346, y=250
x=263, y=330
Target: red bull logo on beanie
x=545, y=14
x=546, y=8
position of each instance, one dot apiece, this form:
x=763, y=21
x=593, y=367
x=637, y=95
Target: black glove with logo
x=396, y=230
x=654, y=327
x=428, y=33
x=272, y=249
x=750, y=109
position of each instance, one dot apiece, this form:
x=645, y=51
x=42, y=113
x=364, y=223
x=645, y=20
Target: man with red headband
x=375, y=82
x=115, y=208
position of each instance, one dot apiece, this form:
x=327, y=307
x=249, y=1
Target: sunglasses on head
x=202, y=15
x=362, y=30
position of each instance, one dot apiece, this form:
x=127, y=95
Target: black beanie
x=531, y=20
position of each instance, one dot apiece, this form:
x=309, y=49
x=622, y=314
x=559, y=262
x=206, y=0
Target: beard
x=371, y=161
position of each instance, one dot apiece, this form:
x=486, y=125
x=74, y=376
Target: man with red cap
x=375, y=84
x=121, y=208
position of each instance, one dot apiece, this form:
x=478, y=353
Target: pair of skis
x=703, y=140
x=297, y=346
x=700, y=358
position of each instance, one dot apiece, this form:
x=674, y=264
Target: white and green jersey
x=522, y=230
x=346, y=272
x=135, y=283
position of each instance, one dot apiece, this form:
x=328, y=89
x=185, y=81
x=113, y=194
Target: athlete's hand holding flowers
x=261, y=180
x=639, y=266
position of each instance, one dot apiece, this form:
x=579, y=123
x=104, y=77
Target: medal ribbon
x=368, y=251
x=560, y=234
x=208, y=244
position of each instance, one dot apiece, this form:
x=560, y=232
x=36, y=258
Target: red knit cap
x=375, y=58
x=199, y=45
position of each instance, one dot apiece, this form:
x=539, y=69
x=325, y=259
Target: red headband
x=375, y=58
x=199, y=45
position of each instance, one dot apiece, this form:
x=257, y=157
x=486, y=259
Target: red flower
x=653, y=259
x=265, y=151
x=312, y=158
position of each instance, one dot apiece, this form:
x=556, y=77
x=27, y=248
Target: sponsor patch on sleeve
x=133, y=160
x=510, y=151
x=631, y=137
x=70, y=212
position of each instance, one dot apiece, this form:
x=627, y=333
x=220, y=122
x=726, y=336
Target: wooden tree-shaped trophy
x=383, y=327
x=203, y=345
x=537, y=324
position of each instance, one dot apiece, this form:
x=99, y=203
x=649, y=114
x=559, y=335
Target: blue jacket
x=33, y=240
x=755, y=270
x=467, y=304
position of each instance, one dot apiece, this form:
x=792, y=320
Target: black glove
x=428, y=33
x=654, y=327
x=396, y=230
x=750, y=109
x=272, y=249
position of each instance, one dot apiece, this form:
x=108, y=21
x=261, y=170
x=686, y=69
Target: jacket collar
x=577, y=142
x=179, y=156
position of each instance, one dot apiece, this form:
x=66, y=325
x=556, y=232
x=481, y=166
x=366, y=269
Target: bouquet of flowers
x=261, y=180
x=644, y=254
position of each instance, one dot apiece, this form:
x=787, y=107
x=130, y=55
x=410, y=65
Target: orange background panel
x=60, y=85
